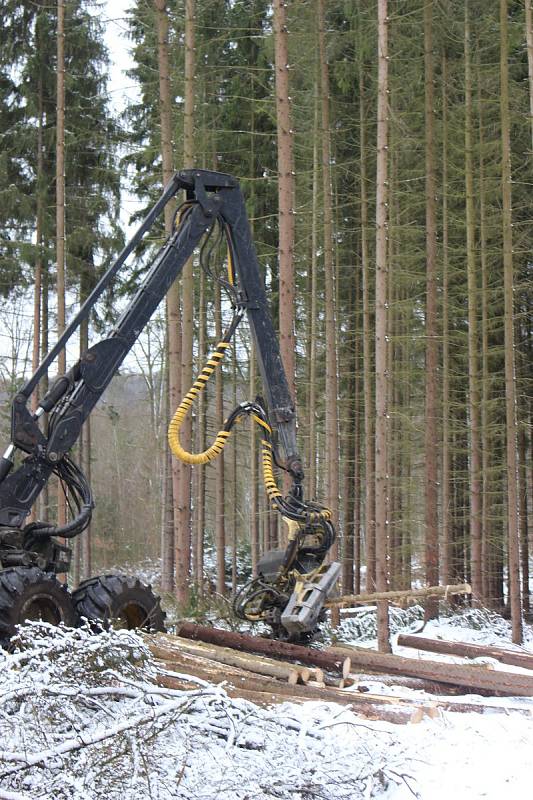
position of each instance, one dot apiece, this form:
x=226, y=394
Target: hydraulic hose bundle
x=292, y=506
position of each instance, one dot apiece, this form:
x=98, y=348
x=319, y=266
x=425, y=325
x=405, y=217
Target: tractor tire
x=118, y=601
x=28, y=593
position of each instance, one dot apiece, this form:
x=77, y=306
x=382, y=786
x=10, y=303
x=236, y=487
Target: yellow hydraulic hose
x=275, y=496
x=177, y=420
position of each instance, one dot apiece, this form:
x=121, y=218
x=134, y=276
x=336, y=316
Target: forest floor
x=81, y=717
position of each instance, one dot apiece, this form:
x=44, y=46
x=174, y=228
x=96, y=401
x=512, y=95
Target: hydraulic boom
x=292, y=584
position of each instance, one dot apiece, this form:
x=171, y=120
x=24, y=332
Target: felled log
x=467, y=650
x=336, y=663
x=473, y=677
x=265, y=691
x=420, y=684
x=166, y=648
x=403, y=594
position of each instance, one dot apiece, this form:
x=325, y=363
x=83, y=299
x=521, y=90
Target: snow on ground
x=82, y=718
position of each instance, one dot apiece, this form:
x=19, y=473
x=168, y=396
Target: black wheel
x=119, y=601
x=28, y=593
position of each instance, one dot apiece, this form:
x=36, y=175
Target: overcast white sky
x=120, y=87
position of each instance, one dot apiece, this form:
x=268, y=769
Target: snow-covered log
x=467, y=650
x=167, y=647
x=328, y=660
x=400, y=594
x=497, y=682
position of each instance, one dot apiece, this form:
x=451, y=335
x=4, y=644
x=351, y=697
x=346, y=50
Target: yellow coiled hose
x=181, y=412
x=222, y=436
x=275, y=496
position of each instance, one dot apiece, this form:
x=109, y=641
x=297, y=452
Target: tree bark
x=254, y=493
x=183, y=564
x=169, y=648
x=201, y=433
x=447, y=575
x=332, y=434
x=524, y=532
x=510, y=387
x=431, y=433
x=265, y=691
x=473, y=369
x=529, y=42
x=338, y=665
x=370, y=520
x=84, y=541
x=220, y=525
x=170, y=555
x=400, y=594
x=467, y=650
x=486, y=502
x=494, y=681
x=312, y=479
x=37, y=289
x=285, y=193
x=60, y=216
x=39, y=260
x=382, y=272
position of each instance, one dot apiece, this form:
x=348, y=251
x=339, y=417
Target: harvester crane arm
x=211, y=198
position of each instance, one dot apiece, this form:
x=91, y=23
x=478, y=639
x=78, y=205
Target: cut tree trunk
x=475, y=677
x=401, y=594
x=267, y=691
x=466, y=649
x=167, y=648
x=334, y=663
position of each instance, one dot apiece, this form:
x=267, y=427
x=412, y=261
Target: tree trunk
x=476, y=677
x=45, y=494
x=285, y=193
x=510, y=388
x=486, y=501
x=382, y=271
x=473, y=370
x=312, y=479
x=447, y=576
x=529, y=41
x=370, y=520
x=431, y=433
x=332, y=446
x=355, y=488
x=170, y=555
x=60, y=215
x=84, y=541
x=254, y=489
x=338, y=665
x=37, y=289
x=201, y=434
x=524, y=538
x=39, y=261
x=467, y=650
x=220, y=525
x=183, y=565
x=234, y=487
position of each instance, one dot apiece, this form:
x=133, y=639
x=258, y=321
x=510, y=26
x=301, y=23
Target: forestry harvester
x=293, y=583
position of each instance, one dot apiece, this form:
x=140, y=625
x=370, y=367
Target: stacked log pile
x=267, y=671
